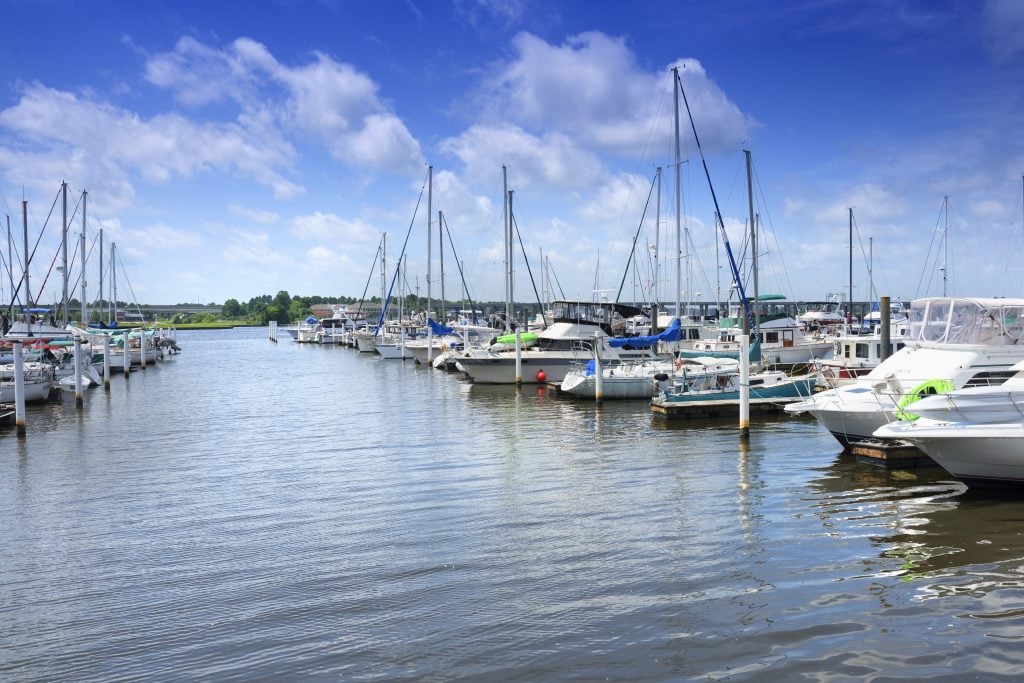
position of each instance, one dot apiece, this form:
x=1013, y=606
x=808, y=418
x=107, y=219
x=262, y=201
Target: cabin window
x=993, y=378
x=770, y=337
x=846, y=351
x=861, y=351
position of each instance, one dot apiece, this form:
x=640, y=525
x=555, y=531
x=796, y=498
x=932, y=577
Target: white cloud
x=592, y=87
x=159, y=147
x=254, y=250
x=552, y=160
x=329, y=99
x=258, y=215
x=331, y=228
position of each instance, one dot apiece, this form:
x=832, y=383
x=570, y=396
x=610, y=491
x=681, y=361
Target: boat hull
x=978, y=454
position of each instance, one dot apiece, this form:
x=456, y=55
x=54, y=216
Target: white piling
x=598, y=370
x=19, y=389
x=744, y=386
x=430, y=345
x=142, y=348
x=106, y=362
x=127, y=355
x=79, y=400
x=519, y=358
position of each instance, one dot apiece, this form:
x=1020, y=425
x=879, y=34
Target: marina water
x=250, y=510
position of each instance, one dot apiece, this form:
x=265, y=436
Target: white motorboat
x=980, y=454
x=964, y=341
x=855, y=355
x=782, y=343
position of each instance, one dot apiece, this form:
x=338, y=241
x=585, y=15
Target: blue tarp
x=591, y=367
x=670, y=334
x=310, y=320
x=439, y=329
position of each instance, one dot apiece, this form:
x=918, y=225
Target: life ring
x=932, y=386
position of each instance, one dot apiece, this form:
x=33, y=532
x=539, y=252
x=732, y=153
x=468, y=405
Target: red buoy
x=541, y=376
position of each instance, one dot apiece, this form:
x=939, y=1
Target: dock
x=890, y=454
x=703, y=410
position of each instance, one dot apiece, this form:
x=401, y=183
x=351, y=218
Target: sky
x=233, y=150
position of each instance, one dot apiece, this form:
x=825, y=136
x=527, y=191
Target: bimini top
x=949, y=320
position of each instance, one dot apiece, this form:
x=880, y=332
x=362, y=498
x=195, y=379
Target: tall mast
x=657, y=244
x=430, y=196
x=85, y=320
x=508, y=248
x=113, y=281
x=64, y=250
x=753, y=245
x=679, y=249
x=383, y=271
x=99, y=297
x=440, y=253
x=28, y=292
x=10, y=266
x=849, y=313
x=945, y=242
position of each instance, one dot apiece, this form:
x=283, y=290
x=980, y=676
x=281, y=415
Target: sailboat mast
x=64, y=250
x=10, y=267
x=508, y=247
x=679, y=249
x=945, y=242
x=99, y=297
x=657, y=245
x=753, y=246
x=440, y=253
x=85, y=196
x=430, y=197
x=113, y=281
x=849, y=313
x=28, y=292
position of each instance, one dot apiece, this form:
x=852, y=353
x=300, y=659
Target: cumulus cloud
x=329, y=99
x=253, y=250
x=331, y=228
x=592, y=87
x=554, y=159
x=158, y=147
x=257, y=215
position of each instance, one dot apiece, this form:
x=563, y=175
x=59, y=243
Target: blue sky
x=233, y=150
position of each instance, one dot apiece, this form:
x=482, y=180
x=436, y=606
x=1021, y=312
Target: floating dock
x=890, y=454
x=703, y=410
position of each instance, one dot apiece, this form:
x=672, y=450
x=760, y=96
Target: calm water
x=256, y=511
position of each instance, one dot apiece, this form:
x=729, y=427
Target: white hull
x=492, y=368
x=632, y=381
x=392, y=351
x=35, y=391
x=985, y=454
x=977, y=405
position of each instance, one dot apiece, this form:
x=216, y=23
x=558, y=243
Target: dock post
x=79, y=401
x=19, y=389
x=127, y=355
x=519, y=358
x=142, y=348
x=598, y=371
x=744, y=386
x=885, y=328
x=106, y=362
x=430, y=343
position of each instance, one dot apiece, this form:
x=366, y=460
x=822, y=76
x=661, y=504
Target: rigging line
x=636, y=236
x=927, y=261
x=771, y=228
x=529, y=270
x=385, y=304
x=465, y=286
x=714, y=198
x=376, y=254
x=561, y=292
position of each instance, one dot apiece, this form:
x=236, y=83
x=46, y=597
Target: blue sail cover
x=310, y=320
x=670, y=334
x=438, y=328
